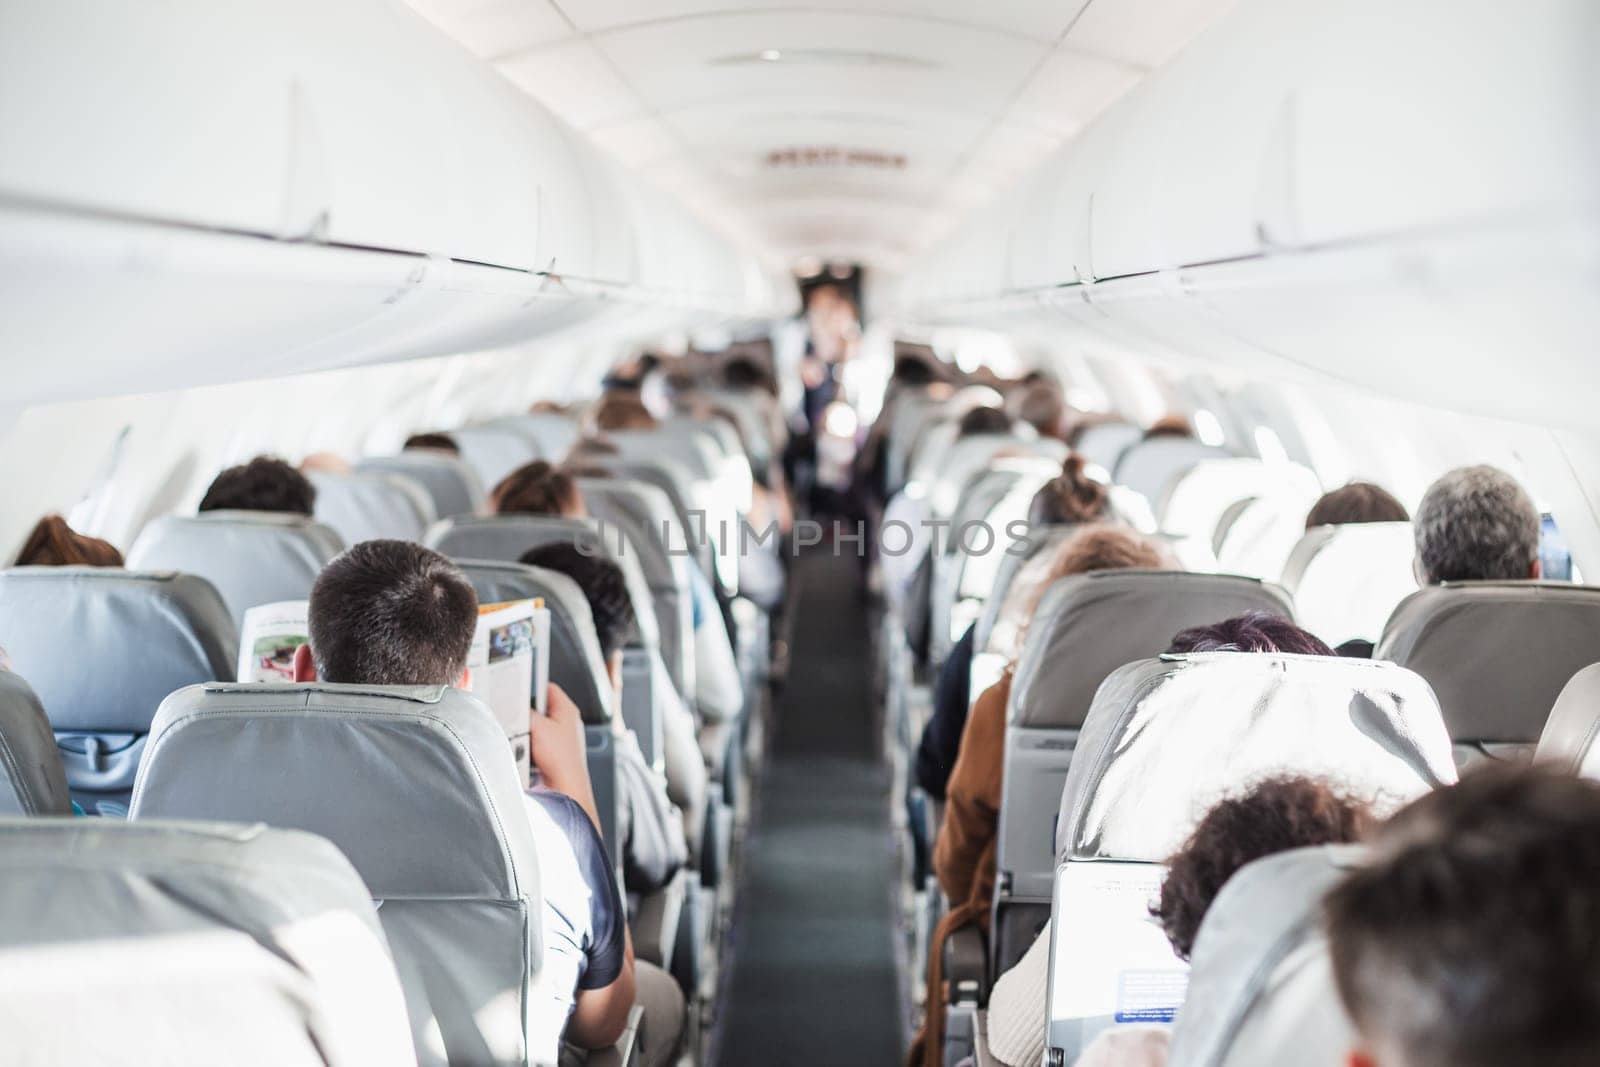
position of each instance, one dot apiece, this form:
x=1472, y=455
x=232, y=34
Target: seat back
x=102, y=648
x=368, y=505
x=1165, y=740
x=549, y=432
x=1084, y=628
x=449, y=482
x=1259, y=537
x=1103, y=443
x=1194, y=501
x=1151, y=465
x=34, y=781
x=418, y=787
x=1497, y=653
x=1346, y=580
x=251, y=557
x=1259, y=980
x=493, y=451
x=189, y=943
x=1574, y=724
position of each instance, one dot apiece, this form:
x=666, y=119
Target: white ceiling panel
x=576, y=82
x=1072, y=87
x=1145, y=33
x=491, y=28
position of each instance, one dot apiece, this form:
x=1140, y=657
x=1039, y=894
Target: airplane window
x=1555, y=558
x=1208, y=428
x=1269, y=446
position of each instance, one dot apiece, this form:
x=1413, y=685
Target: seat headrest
x=492, y=451
x=1347, y=579
x=1496, y=653
x=550, y=432
x=189, y=942
x=1149, y=466
x=1569, y=734
x=1088, y=625
x=448, y=481
x=368, y=505
x=1103, y=443
x=377, y=770
x=1193, y=502
x=575, y=661
x=1169, y=737
x=32, y=780
x=1259, y=974
x=509, y=537
x=103, y=647
x=644, y=514
x=674, y=443
x=251, y=557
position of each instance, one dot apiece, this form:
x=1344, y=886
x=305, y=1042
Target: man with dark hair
x=983, y=420
x=395, y=613
x=266, y=483
x=432, y=442
x=1356, y=502
x=604, y=587
x=1042, y=406
x=1471, y=937
x=1476, y=524
x=537, y=488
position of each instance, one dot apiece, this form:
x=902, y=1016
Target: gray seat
x=250, y=557
x=1497, y=653
x=1346, y=580
x=549, y=432
x=1194, y=502
x=190, y=944
x=1570, y=732
x=418, y=787
x=1084, y=628
x=493, y=451
x=103, y=647
x=1150, y=466
x=1167, y=738
x=368, y=505
x=449, y=482
x=1259, y=981
x=34, y=781
x=1104, y=443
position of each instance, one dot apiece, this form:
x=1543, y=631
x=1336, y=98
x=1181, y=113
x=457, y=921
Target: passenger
x=1173, y=425
x=395, y=613
x=654, y=847
x=537, y=488
x=1356, y=502
x=1072, y=497
x=52, y=543
x=963, y=857
x=325, y=463
x=432, y=442
x=1476, y=524
x=1471, y=937
x=1276, y=815
x=263, y=484
x=1042, y=406
x=620, y=409
x=983, y=420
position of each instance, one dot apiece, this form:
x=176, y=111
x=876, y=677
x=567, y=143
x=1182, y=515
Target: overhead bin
x=283, y=185
x=1395, y=196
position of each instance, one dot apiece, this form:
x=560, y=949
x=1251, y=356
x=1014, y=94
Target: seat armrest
x=966, y=968
x=625, y=1052
x=981, y=1055
x=655, y=923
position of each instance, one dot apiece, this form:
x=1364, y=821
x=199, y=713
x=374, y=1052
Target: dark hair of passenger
x=1356, y=503
x=1106, y=547
x=1470, y=936
x=1070, y=497
x=913, y=370
x=52, y=543
x=1043, y=407
x=622, y=411
x=742, y=372
x=603, y=586
x=266, y=483
x=983, y=420
x=1275, y=815
x=537, y=488
x=433, y=442
x=1254, y=631
x=391, y=613
x=1169, y=426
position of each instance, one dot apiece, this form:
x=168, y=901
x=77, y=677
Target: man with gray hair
x=1476, y=524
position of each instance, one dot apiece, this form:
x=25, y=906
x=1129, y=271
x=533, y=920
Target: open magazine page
x=268, y=639
x=510, y=660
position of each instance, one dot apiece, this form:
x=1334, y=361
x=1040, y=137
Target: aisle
x=813, y=980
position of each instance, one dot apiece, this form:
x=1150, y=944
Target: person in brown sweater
x=963, y=856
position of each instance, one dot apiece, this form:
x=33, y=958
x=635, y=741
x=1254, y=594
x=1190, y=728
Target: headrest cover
x=510, y=537
x=190, y=943
x=103, y=647
x=1167, y=738
x=1569, y=735
x=1149, y=466
x=1497, y=653
x=1260, y=967
x=1347, y=579
x=32, y=780
x=450, y=483
x=1088, y=625
x=368, y=505
x=377, y=770
x=252, y=557
x=575, y=661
